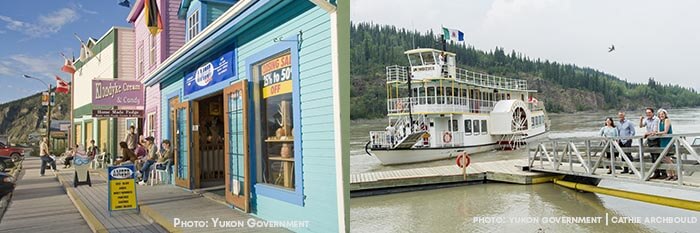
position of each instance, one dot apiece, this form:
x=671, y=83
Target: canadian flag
x=62, y=86
x=67, y=66
x=533, y=100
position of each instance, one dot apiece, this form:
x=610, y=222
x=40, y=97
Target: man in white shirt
x=651, y=124
x=45, y=156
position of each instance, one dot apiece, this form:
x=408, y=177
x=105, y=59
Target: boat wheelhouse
x=437, y=110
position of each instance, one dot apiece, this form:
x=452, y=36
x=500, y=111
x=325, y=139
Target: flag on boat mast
x=452, y=34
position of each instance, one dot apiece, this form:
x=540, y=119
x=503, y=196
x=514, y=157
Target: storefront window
x=274, y=76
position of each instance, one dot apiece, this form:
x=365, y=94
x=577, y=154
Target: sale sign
x=277, y=75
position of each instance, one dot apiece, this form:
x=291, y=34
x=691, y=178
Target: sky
x=659, y=39
x=33, y=33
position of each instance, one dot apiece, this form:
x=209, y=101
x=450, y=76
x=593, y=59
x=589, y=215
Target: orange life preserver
x=467, y=162
x=447, y=137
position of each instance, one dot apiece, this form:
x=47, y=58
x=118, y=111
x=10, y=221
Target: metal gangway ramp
x=587, y=157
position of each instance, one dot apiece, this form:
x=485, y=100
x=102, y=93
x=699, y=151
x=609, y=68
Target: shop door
x=236, y=145
x=180, y=122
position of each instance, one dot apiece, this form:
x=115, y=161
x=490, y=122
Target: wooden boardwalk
x=503, y=171
x=40, y=204
x=94, y=199
x=162, y=204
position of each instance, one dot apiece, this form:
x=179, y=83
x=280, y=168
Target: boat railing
x=382, y=139
x=583, y=156
x=396, y=73
x=535, y=106
x=487, y=80
x=445, y=104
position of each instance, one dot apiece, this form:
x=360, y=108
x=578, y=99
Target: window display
x=275, y=83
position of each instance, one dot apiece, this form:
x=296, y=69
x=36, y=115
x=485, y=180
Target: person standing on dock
x=651, y=124
x=625, y=129
x=666, y=128
x=609, y=131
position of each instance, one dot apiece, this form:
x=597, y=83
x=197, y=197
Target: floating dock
x=509, y=171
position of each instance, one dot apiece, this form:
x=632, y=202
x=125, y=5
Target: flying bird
x=612, y=48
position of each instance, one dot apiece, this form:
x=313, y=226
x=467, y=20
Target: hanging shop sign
x=210, y=73
x=117, y=93
x=119, y=113
x=122, y=187
x=277, y=75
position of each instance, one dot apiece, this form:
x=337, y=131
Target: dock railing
x=583, y=156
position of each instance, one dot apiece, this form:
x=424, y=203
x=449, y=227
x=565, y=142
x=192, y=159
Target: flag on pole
x=85, y=52
x=62, y=86
x=152, y=15
x=452, y=34
x=67, y=65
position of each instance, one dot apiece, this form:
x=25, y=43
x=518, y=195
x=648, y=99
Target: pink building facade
x=151, y=51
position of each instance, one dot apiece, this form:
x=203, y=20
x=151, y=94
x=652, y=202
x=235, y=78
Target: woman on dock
x=609, y=131
x=665, y=128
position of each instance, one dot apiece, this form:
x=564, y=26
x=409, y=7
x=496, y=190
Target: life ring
x=459, y=160
x=447, y=137
x=399, y=105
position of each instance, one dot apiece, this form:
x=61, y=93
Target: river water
x=514, y=208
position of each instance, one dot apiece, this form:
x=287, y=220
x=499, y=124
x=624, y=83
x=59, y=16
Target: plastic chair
x=98, y=161
x=157, y=175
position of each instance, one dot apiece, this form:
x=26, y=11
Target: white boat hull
x=415, y=155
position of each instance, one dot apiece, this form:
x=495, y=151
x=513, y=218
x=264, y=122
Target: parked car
x=5, y=163
x=14, y=153
x=7, y=184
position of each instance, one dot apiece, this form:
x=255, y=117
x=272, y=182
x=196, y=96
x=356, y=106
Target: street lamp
x=48, y=112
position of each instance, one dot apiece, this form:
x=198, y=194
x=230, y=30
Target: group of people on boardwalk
x=657, y=126
x=144, y=154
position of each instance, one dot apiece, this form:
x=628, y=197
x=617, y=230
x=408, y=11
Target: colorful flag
x=152, y=16
x=62, y=86
x=532, y=100
x=67, y=65
x=452, y=34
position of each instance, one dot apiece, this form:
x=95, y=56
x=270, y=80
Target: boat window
x=440, y=95
x=484, y=126
x=414, y=59
x=448, y=93
x=421, y=94
x=476, y=127
x=415, y=92
x=464, y=96
x=455, y=126
x=468, y=126
x=431, y=95
x=428, y=58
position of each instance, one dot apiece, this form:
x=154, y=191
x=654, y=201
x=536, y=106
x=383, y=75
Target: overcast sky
x=658, y=39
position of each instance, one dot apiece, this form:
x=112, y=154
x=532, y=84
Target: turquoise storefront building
x=256, y=103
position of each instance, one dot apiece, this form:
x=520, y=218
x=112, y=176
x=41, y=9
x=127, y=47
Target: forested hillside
x=563, y=87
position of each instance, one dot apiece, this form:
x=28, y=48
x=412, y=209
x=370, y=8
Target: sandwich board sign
x=122, y=187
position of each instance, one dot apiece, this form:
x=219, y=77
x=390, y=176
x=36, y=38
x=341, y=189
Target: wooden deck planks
x=95, y=198
x=40, y=204
x=440, y=174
